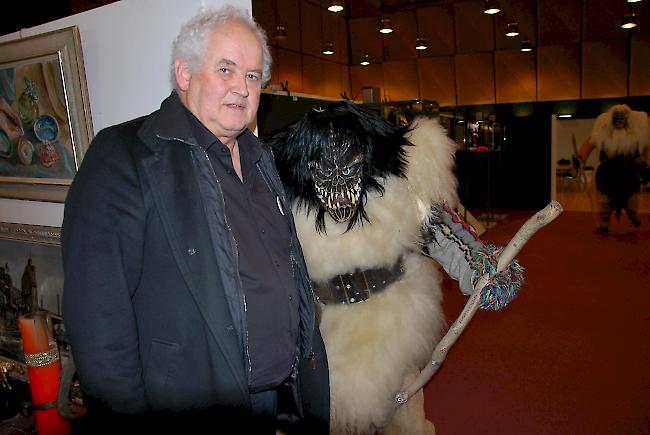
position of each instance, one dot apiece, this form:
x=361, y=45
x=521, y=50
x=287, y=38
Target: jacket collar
x=169, y=123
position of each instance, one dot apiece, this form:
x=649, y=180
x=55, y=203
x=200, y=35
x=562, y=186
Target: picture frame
x=31, y=278
x=39, y=234
x=45, y=119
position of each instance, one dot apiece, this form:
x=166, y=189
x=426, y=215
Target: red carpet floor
x=571, y=355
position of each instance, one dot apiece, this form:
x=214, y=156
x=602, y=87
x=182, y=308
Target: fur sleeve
x=431, y=163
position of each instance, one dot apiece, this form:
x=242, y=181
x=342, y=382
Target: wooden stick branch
x=530, y=227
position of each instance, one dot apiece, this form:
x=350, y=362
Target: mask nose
x=337, y=179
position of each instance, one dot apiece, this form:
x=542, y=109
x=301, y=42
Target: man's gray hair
x=190, y=42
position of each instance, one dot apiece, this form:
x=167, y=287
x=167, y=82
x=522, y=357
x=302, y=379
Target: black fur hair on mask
x=352, y=134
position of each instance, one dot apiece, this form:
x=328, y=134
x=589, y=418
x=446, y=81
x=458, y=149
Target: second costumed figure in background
x=373, y=205
x=621, y=137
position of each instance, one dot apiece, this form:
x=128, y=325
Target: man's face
x=224, y=91
x=337, y=179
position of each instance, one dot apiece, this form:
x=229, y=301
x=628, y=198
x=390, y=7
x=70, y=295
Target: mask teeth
x=330, y=199
x=342, y=214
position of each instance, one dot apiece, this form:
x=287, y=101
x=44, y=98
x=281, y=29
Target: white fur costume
x=634, y=138
x=374, y=345
x=622, y=150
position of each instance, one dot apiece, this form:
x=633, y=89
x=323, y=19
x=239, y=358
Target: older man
x=186, y=294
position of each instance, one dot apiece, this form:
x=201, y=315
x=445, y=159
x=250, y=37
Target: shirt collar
x=204, y=137
x=248, y=146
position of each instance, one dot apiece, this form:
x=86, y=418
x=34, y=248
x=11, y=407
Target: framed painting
x=31, y=279
x=45, y=122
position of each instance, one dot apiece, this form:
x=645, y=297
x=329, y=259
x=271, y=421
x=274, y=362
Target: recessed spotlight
x=491, y=7
x=335, y=6
x=328, y=49
x=386, y=26
x=512, y=29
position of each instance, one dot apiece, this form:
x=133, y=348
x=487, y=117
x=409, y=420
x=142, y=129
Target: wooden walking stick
x=532, y=225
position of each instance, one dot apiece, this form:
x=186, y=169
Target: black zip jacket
x=152, y=301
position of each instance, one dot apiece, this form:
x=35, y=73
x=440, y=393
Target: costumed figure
x=373, y=205
x=622, y=138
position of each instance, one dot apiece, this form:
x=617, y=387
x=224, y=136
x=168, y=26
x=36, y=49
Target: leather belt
x=358, y=285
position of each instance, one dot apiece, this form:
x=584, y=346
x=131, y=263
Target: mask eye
x=324, y=172
x=350, y=169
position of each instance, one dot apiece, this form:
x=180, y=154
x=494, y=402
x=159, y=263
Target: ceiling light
x=633, y=1
x=491, y=7
x=512, y=29
x=629, y=21
x=328, y=48
x=335, y=6
x=386, y=26
x=526, y=45
x=565, y=115
x=280, y=33
x=365, y=59
x=421, y=43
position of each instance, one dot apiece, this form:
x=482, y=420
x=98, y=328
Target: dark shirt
x=262, y=235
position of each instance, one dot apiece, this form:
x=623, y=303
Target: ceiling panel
x=438, y=79
x=642, y=11
x=289, y=65
x=364, y=8
x=523, y=13
x=365, y=38
x=474, y=78
x=400, y=44
x=604, y=68
x=515, y=76
x=559, y=21
x=602, y=19
x=474, y=29
x=312, y=75
x=436, y=25
x=289, y=17
x=558, y=72
x=311, y=20
x=401, y=80
x=265, y=16
x=640, y=66
x=334, y=30
x=333, y=83
x=275, y=76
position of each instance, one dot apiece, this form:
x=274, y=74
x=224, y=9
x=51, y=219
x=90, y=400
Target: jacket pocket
x=159, y=372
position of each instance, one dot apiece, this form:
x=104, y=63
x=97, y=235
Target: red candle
x=43, y=371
